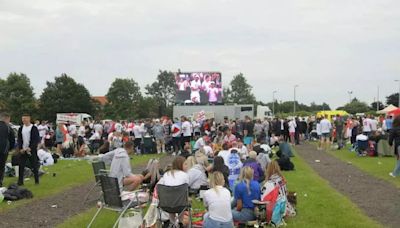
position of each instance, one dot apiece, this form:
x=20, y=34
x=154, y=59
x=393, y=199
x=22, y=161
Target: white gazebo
x=387, y=109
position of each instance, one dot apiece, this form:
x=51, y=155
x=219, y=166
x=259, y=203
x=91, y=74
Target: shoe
x=20, y=184
x=391, y=174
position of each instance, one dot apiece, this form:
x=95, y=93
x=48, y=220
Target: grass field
x=375, y=166
x=68, y=173
x=319, y=205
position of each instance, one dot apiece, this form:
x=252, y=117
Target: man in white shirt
x=292, y=130
x=325, y=126
x=373, y=124
x=42, y=128
x=367, y=126
x=28, y=140
x=72, y=129
x=186, y=130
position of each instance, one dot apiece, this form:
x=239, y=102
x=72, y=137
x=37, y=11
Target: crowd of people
x=233, y=159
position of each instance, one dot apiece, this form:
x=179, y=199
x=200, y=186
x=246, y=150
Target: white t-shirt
x=118, y=127
x=72, y=129
x=318, y=129
x=208, y=150
x=137, y=132
x=42, y=130
x=177, y=179
x=374, y=124
x=325, y=126
x=292, y=126
x=367, y=125
x=199, y=144
x=45, y=158
x=243, y=152
x=225, y=155
x=98, y=128
x=186, y=129
x=218, y=204
x=26, y=136
x=361, y=137
x=81, y=131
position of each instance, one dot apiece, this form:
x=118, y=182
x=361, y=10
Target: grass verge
x=319, y=205
x=61, y=177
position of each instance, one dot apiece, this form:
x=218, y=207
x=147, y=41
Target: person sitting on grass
x=245, y=192
x=252, y=163
x=219, y=166
x=284, y=161
x=217, y=200
x=197, y=174
x=275, y=183
x=121, y=168
x=152, y=174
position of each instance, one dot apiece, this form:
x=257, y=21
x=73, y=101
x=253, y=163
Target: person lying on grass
x=121, y=168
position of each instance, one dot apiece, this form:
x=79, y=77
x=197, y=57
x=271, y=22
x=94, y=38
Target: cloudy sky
x=326, y=47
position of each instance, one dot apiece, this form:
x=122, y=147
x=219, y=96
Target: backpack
x=279, y=212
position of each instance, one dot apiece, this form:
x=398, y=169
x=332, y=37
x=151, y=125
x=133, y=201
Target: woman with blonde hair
x=275, y=182
x=246, y=191
x=152, y=173
x=217, y=201
x=177, y=174
x=190, y=162
x=197, y=174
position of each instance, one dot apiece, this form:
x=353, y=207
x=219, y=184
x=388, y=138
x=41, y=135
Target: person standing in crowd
x=28, y=140
x=374, y=125
x=61, y=132
x=217, y=200
x=394, y=140
x=326, y=127
x=7, y=142
x=248, y=132
x=138, y=131
x=292, y=131
x=159, y=135
x=186, y=131
x=43, y=129
x=176, y=136
x=389, y=123
x=339, y=125
x=367, y=126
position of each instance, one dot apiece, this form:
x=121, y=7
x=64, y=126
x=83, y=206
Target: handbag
x=131, y=219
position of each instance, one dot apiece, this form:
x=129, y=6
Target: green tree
x=17, y=97
x=375, y=104
x=163, y=91
x=239, y=91
x=64, y=95
x=124, y=98
x=393, y=99
x=149, y=108
x=356, y=106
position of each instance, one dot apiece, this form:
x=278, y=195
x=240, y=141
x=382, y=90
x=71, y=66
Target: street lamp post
x=273, y=102
x=294, y=98
x=398, y=105
x=350, y=92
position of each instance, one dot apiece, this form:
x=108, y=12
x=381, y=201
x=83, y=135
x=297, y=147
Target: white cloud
x=327, y=47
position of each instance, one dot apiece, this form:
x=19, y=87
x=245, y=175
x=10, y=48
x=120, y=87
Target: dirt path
x=377, y=198
x=40, y=213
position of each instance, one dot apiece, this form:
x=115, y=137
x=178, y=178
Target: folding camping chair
x=99, y=168
x=112, y=199
x=174, y=200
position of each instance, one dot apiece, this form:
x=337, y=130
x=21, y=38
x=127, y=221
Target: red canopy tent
x=394, y=112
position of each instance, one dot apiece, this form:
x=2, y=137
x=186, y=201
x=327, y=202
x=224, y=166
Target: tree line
x=126, y=101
